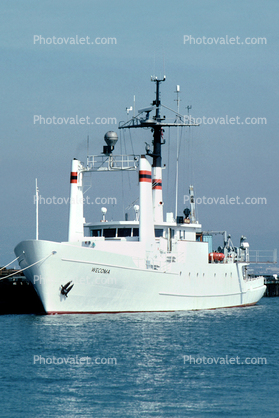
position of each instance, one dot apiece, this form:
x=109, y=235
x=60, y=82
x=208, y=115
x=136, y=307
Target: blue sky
x=101, y=80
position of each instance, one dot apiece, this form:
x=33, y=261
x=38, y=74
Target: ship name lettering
x=100, y=270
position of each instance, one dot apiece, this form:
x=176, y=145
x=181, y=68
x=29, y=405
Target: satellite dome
x=111, y=138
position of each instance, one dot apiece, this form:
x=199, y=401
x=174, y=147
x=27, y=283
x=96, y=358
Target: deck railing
x=111, y=162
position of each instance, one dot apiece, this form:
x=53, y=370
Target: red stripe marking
x=157, y=184
x=145, y=176
x=73, y=177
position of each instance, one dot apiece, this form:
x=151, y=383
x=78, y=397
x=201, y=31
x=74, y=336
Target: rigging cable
x=126, y=154
x=178, y=155
x=168, y=170
x=131, y=142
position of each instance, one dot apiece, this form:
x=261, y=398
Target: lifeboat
x=216, y=257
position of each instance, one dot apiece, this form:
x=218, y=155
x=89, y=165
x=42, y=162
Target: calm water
x=146, y=370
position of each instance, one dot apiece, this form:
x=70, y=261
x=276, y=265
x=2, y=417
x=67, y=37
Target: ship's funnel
x=157, y=194
x=146, y=225
x=76, y=220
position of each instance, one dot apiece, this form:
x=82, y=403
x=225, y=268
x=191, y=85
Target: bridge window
x=109, y=232
x=96, y=233
x=159, y=233
x=124, y=232
x=135, y=232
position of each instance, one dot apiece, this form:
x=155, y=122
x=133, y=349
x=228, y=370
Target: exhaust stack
x=146, y=223
x=76, y=220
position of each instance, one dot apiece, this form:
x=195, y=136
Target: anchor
x=66, y=289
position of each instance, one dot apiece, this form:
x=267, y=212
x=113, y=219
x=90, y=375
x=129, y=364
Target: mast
x=157, y=133
x=156, y=124
x=157, y=192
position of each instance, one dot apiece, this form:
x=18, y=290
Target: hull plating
x=113, y=282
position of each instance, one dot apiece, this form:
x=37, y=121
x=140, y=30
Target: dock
x=272, y=285
x=17, y=294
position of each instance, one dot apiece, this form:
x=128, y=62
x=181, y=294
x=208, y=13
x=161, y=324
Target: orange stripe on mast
x=73, y=177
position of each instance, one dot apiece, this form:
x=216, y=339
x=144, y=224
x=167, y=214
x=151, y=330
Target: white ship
x=145, y=265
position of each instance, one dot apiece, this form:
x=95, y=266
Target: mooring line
x=10, y=263
x=31, y=265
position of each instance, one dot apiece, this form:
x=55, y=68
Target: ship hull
x=101, y=281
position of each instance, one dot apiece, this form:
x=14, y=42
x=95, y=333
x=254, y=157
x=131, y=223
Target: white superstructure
x=143, y=265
